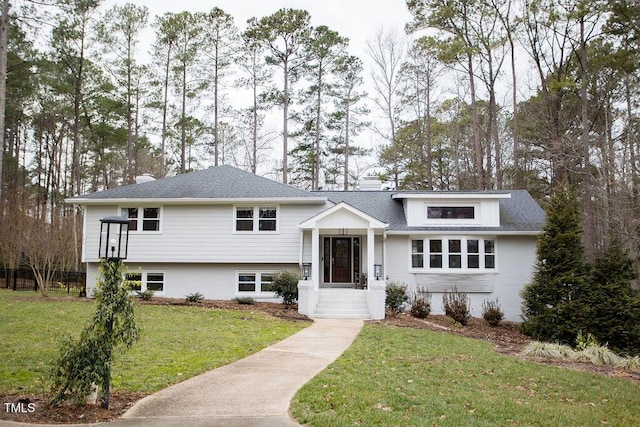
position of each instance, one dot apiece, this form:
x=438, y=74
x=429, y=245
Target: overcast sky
x=355, y=19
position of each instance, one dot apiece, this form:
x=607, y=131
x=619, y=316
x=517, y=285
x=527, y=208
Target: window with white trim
x=144, y=219
x=146, y=281
x=256, y=218
x=255, y=282
x=451, y=212
x=453, y=254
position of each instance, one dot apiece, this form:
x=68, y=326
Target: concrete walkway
x=255, y=391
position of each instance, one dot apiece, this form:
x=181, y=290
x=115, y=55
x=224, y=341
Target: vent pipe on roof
x=370, y=183
x=144, y=178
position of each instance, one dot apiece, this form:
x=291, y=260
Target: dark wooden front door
x=341, y=268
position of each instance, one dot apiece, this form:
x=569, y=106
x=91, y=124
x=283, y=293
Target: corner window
x=256, y=219
x=142, y=219
x=451, y=212
x=453, y=254
x=255, y=282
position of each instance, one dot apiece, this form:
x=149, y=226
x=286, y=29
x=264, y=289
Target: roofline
x=465, y=232
x=197, y=201
x=452, y=196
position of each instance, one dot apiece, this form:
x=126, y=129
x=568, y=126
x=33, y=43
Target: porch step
x=342, y=304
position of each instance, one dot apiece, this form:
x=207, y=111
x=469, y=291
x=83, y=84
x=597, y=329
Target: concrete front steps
x=342, y=304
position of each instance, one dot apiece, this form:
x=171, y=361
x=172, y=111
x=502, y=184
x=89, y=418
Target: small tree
x=554, y=306
x=613, y=303
x=285, y=285
x=86, y=363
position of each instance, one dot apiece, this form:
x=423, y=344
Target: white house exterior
x=224, y=233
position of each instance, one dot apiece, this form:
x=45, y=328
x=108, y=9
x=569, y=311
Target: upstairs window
x=451, y=212
x=143, y=219
x=256, y=218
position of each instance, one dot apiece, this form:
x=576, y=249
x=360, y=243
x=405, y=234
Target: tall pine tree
x=554, y=305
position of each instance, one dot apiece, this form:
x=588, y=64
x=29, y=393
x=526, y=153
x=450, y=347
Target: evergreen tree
x=554, y=305
x=614, y=304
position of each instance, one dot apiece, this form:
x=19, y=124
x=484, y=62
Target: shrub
x=285, y=285
x=396, y=297
x=245, y=300
x=456, y=306
x=145, y=295
x=194, y=298
x=548, y=350
x=421, y=304
x=492, y=312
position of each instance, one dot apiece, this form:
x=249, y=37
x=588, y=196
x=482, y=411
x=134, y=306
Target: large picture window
x=256, y=218
x=454, y=254
x=142, y=219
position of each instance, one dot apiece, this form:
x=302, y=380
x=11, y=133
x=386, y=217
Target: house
x=225, y=232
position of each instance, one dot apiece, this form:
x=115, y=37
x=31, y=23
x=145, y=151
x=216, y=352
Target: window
x=146, y=281
x=135, y=281
x=246, y=282
x=435, y=253
x=450, y=212
x=489, y=254
x=155, y=282
x=417, y=253
x=142, y=219
x=454, y=254
x=473, y=253
x=255, y=282
x=260, y=218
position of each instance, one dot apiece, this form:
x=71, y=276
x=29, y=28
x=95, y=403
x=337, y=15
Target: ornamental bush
x=396, y=298
x=285, y=285
x=492, y=312
x=421, y=304
x=457, y=306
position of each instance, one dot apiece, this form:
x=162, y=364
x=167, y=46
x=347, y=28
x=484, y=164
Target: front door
x=341, y=262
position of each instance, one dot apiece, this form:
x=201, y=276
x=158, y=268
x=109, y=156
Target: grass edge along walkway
x=411, y=377
x=178, y=342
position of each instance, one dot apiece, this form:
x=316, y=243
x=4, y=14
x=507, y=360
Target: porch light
x=306, y=270
x=114, y=238
x=377, y=270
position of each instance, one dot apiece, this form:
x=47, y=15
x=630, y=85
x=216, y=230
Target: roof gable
x=345, y=216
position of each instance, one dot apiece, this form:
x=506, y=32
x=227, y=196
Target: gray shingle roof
x=519, y=213
x=220, y=182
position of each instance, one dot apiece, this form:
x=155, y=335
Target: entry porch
x=342, y=248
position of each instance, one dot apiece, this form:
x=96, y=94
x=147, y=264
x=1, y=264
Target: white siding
x=214, y=281
x=205, y=234
x=515, y=257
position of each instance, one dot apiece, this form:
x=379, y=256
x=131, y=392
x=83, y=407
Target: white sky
x=355, y=19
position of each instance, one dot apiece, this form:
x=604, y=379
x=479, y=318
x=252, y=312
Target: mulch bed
x=506, y=337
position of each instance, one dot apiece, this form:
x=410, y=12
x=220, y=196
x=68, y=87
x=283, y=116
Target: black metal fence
x=23, y=279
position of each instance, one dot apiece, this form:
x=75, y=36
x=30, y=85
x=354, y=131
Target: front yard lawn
x=409, y=377
x=178, y=342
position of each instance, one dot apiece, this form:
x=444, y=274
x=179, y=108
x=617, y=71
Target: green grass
x=177, y=342
x=407, y=377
